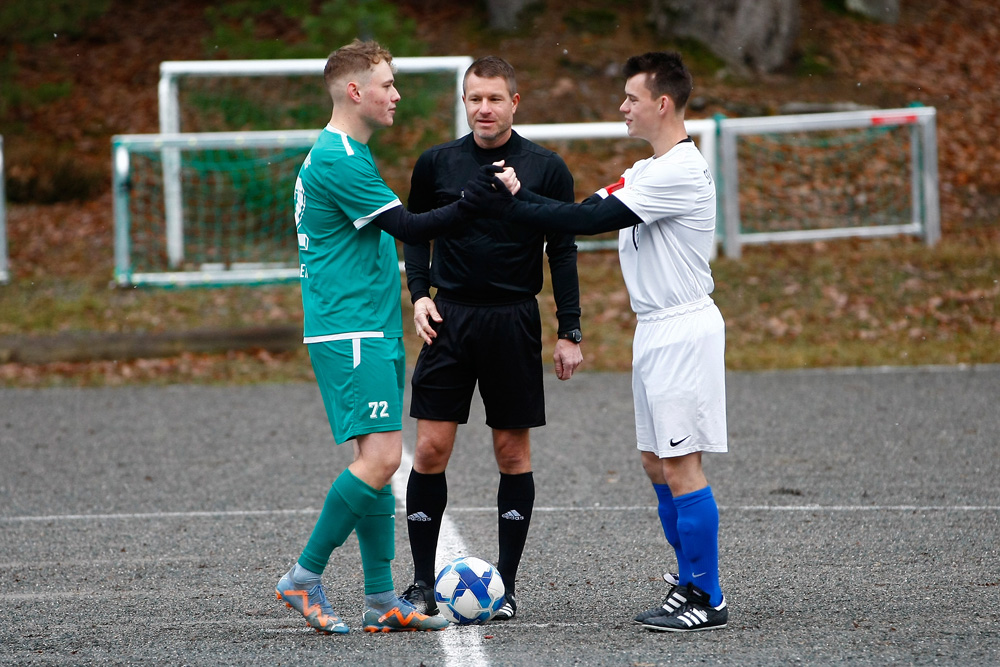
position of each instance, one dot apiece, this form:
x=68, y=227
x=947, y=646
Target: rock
x=750, y=35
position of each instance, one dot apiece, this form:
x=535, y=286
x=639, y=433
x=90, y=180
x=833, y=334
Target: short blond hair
x=354, y=58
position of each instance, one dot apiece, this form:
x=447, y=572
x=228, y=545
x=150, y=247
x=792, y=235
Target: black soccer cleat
x=421, y=596
x=508, y=610
x=676, y=597
x=695, y=614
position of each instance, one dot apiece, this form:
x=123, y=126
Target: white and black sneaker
x=508, y=610
x=672, y=578
x=676, y=598
x=695, y=614
x=421, y=596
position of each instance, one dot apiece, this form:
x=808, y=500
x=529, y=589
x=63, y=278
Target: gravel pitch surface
x=860, y=523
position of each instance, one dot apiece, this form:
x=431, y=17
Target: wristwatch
x=574, y=335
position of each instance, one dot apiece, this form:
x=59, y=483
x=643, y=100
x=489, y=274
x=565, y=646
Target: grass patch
x=47, y=306
x=861, y=303
x=849, y=303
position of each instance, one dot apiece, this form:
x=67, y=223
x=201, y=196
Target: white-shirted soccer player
x=344, y=216
x=665, y=208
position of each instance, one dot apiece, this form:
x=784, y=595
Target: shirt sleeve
x=358, y=189
x=417, y=256
x=667, y=191
x=562, y=255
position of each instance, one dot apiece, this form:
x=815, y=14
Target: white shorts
x=679, y=380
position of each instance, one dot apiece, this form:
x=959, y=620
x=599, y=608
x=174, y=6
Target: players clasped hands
x=506, y=176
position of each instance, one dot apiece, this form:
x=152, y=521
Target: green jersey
x=349, y=268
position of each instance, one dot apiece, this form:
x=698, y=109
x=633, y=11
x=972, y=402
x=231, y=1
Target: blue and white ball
x=469, y=591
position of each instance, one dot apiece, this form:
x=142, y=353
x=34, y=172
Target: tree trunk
x=504, y=14
x=749, y=35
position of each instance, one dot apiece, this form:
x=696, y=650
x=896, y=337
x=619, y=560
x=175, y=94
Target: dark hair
x=667, y=75
x=489, y=67
x=355, y=57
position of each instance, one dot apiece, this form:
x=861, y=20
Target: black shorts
x=500, y=347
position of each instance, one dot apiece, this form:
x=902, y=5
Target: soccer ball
x=468, y=591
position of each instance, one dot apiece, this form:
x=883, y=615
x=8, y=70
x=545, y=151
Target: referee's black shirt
x=488, y=262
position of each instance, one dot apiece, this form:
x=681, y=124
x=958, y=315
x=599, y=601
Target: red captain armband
x=615, y=186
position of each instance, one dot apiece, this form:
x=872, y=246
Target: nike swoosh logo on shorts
x=674, y=444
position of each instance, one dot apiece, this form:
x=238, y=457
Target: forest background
x=74, y=74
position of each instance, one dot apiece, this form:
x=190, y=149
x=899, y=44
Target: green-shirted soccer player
x=353, y=327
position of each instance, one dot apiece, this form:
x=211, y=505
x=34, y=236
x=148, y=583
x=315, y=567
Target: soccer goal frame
x=170, y=118
x=123, y=148
x=924, y=208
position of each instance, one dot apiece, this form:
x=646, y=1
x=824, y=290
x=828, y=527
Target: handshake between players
x=491, y=194
x=485, y=194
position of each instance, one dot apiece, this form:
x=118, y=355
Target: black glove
x=487, y=176
x=485, y=195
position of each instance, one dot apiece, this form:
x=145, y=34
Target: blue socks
x=668, y=518
x=691, y=526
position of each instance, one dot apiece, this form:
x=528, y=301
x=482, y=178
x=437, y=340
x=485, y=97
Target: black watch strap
x=574, y=335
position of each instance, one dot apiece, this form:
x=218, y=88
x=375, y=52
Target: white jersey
x=665, y=260
x=678, y=355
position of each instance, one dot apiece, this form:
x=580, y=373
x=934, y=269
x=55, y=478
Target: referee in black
x=483, y=325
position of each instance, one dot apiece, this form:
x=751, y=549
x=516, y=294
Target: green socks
x=353, y=505
x=348, y=500
x=377, y=539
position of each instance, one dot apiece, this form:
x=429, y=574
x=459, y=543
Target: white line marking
x=155, y=515
x=877, y=370
x=63, y=564
x=460, y=646
x=451, y=546
x=865, y=508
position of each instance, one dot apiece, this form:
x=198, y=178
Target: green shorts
x=361, y=381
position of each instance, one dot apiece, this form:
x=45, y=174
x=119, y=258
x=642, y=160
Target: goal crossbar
x=172, y=70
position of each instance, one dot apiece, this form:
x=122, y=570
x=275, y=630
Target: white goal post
x=170, y=117
x=132, y=241
x=138, y=249
x=704, y=131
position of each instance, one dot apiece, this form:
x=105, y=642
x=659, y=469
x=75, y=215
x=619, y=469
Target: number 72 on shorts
x=380, y=409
